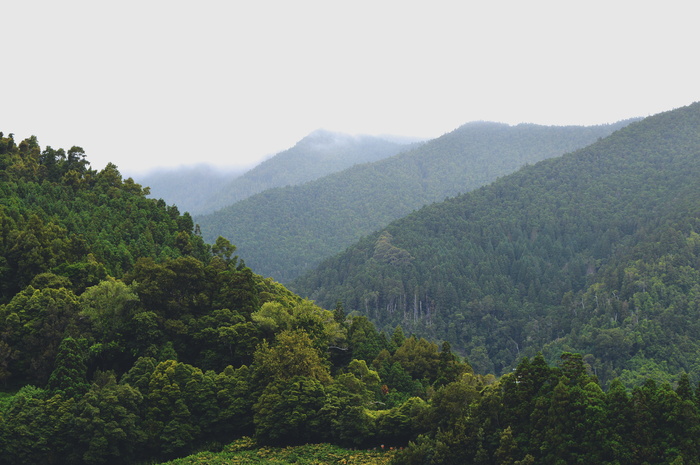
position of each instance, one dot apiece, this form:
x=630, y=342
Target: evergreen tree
x=69, y=377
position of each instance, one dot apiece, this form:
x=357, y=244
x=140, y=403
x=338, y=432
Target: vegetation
x=318, y=454
x=318, y=154
x=286, y=231
x=547, y=415
x=595, y=252
x=125, y=338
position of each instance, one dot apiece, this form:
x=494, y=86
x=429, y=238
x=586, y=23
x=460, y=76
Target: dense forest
x=286, y=231
x=126, y=338
x=594, y=252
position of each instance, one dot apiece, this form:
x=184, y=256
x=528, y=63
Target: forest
x=595, y=252
x=287, y=231
x=126, y=338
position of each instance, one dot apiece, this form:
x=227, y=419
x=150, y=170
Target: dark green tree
x=289, y=412
x=69, y=376
x=106, y=425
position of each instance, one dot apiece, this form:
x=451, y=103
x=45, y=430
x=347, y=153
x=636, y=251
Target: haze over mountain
x=203, y=189
x=284, y=232
x=188, y=187
x=595, y=252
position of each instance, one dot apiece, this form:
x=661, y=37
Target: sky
x=149, y=83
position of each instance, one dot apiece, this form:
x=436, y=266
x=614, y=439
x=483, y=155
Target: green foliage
x=33, y=325
x=286, y=231
x=555, y=415
x=292, y=355
x=59, y=215
x=69, y=376
x=401, y=423
x=87, y=301
x=109, y=305
x=289, y=412
x=107, y=423
x=365, y=340
x=34, y=426
x=152, y=345
x=419, y=358
x=310, y=454
x=595, y=252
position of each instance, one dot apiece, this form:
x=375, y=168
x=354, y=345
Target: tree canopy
x=594, y=252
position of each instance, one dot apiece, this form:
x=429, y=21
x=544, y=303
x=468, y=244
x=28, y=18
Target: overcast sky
x=164, y=83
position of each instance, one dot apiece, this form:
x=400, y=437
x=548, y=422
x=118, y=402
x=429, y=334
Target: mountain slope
x=535, y=257
x=284, y=232
x=125, y=339
x=318, y=154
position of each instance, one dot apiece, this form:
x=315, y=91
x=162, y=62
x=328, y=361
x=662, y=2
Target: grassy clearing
x=241, y=452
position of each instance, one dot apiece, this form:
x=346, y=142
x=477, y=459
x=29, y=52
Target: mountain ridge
x=494, y=271
x=320, y=153
x=285, y=231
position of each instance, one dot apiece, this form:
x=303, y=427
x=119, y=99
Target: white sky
x=164, y=83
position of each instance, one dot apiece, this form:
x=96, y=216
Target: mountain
x=284, y=232
x=188, y=187
x=595, y=252
x=318, y=154
x=124, y=338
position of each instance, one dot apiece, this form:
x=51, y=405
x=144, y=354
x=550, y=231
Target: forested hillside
x=595, y=252
x=284, y=232
x=316, y=155
x=124, y=338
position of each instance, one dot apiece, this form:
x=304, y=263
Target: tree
x=234, y=396
x=401, y=424
x=224, y=250
x=419, y=358
x=619, y=444
x=397, y=338
x=76, y=160
x=34, y=323
x=507, y=448
x=346, y=409
x=181, y=407
x=289, y=412
x=339, y=312
x=453, y=402
x=106, y=426
x=369, y=378
x=109, y=305
x=449, y=369
x=292, y=355
x=69, y=377
x=364, y=339
x=34, y=428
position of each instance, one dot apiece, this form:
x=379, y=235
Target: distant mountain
x=596, y=252
x=287, y=231
x=318, y=154
x=187, y=187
